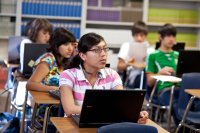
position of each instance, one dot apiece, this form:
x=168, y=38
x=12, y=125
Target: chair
x=126, y=127
x=154, y=105
x=189, y=81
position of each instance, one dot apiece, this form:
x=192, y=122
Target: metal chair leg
x=170, y=107
x=185, y=113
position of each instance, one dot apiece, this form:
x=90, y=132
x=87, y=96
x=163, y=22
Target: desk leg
x=23, y=113
x=185, y=113
x=46, y=118
x=170, y=107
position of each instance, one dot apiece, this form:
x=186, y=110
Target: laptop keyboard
x=55, y=93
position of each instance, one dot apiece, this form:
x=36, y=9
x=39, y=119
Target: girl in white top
x=37, y=31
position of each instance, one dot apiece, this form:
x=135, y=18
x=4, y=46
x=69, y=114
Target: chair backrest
x=127, y=127
x=189, y=81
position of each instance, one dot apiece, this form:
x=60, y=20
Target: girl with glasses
x=87, y=71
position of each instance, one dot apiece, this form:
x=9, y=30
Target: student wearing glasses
x=87, y=71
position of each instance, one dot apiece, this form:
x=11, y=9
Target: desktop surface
x=67, y=125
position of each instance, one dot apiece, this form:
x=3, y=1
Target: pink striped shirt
x=75, y=79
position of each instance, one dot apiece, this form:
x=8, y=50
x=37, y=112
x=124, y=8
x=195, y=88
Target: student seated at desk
x=49, y=66
x=37, y=31
x=163, y=62
x=87, y=71
x=133, y=53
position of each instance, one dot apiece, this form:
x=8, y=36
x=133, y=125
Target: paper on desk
x=166, y=78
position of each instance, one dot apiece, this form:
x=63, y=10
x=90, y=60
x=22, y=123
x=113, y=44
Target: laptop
x=31, y=53
x=102, y=107
x=179, y=46
x=188, y=61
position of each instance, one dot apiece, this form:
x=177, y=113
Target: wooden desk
x=67, y=125
x=39, y=98
x=193, y=92
x=43, y=98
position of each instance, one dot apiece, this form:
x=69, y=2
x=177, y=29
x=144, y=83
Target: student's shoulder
x=26, y=40
x=155, y=53
x=176, y=53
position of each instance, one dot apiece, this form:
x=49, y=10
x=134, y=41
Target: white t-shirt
x=22, y=51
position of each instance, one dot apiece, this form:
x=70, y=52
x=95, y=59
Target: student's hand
x=143, y=117
x=166, y=71
x=131, y=60
x=55, y=88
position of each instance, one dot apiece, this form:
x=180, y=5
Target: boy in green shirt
x=163, y=62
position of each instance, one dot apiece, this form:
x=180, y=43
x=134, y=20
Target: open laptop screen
x=188, y=62
x=31, y=53
x=101, y=107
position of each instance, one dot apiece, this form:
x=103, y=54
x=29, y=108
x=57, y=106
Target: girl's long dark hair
x=85, y=43
x=59, y=37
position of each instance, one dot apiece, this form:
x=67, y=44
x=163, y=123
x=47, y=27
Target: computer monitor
x=188, y=61
x=14, y=49
x=177, y=47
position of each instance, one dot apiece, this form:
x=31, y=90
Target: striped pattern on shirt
x=75, y=79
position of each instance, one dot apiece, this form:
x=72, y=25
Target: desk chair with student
x=187, y=63
x=131, y=57
x=86, y=74
x=49, y=66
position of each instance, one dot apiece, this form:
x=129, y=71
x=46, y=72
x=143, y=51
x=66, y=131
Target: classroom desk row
x=62, y=124
x=67, y=125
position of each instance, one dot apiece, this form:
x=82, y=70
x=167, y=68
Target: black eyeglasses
x=99, y=50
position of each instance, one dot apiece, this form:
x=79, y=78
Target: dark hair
x=58, y=37
x=139, y=27
x=167, y=30
x=34, y=26
x=85, y=43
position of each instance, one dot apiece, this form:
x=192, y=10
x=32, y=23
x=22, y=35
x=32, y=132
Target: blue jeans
x=164, y=96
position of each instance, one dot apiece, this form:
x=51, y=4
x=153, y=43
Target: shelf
x=110, y=23
x=52, y=17
x=115, y=8
x=177, y=25
x=8, y=14
x=4, y=37
x=185, y=0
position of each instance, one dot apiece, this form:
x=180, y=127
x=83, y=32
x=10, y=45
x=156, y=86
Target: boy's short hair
x=139, y=27
x=167, y=30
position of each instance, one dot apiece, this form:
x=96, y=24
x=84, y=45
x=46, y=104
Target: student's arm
x=34, y=82
x=150, y=81
x=164, y=71
x=67, y=101
x=121, y=66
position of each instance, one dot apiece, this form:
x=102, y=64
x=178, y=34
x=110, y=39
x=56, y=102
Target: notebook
x=138, y=51
x=102, y=107
x=188, y=61
x=31, y=53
